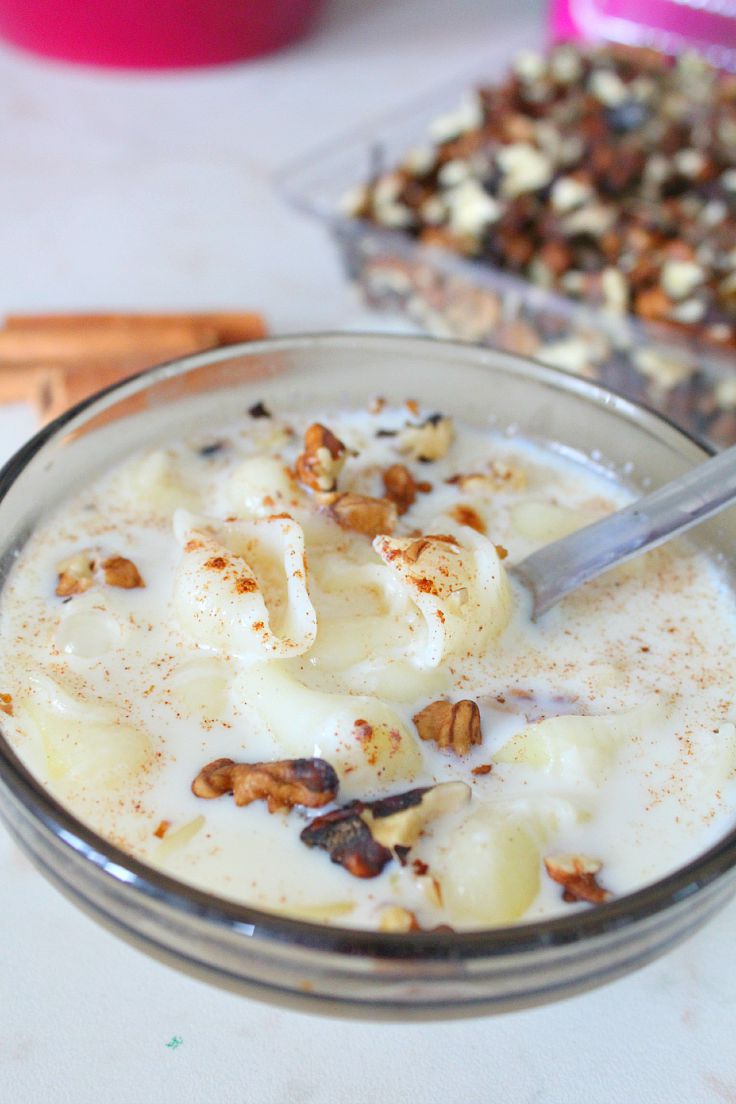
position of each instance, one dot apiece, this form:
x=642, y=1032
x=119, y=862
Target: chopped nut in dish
x=455, y=727
x=577, y=874
x=428, y=441
x=119, y=572
x=76, y=574
x=79, y=572
x=329, y=700
x=363, y=514
x=283, y=784
x=401, y=488
x=364, y=836
x=322, y=460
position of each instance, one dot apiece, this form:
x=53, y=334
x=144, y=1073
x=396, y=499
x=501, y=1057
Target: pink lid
x=154, y=34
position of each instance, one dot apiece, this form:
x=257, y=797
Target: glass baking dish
x=450, y=296
x=332, y=969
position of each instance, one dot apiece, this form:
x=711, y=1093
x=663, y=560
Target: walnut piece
x=6, y=704
x=283, y=783
x=453, y=726
x=79, y=572
x=400, y=486
x=429, y=441
x=347, y=838
x=398, y=822
x=371, y=516
x=76, y=574
x=577, y=873
x=119, y=572
x=364, y=836
x=322, y=460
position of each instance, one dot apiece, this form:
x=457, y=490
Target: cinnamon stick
x=224, y=327
x=55, y=360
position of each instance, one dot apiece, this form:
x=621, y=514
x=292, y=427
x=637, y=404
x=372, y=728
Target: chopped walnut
x=79, y=572
x=398, y=821
x=347, y=838
x=454, y=727
x=76, y=574
x=372, y=516
x=365, y=836
x=401, y=487
x=6, y=704
x=283, y=783
x=466, y=515
x=429, y=441
x=120, y=572
x=577, y=873
x=322, y=460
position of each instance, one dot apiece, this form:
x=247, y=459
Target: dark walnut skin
x=366, y=835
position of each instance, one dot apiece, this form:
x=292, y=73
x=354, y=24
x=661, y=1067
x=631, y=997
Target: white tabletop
x=134, y=192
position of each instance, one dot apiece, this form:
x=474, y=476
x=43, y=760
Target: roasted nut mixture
x=616, y=189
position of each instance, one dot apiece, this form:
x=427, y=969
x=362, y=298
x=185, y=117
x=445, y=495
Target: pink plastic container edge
x=668, y=25
x=154, y=34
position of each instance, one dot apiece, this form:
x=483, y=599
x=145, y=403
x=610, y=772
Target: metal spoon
x=566, y=564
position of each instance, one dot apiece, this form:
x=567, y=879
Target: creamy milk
x=607, y=728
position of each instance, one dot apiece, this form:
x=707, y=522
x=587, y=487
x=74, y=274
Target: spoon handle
x=566, y=564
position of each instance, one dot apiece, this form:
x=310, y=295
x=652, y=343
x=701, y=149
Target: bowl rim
x=188, y=902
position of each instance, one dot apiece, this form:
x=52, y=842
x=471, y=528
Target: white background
x=137, y=192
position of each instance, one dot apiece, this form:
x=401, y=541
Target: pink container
x=154, y=34
x=708, y=26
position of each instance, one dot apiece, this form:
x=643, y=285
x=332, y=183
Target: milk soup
x=284, y=662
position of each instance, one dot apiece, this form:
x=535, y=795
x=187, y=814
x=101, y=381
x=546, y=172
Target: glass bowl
x=332, y=969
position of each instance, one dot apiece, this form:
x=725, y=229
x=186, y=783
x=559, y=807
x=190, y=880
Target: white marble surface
x=134, y=192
